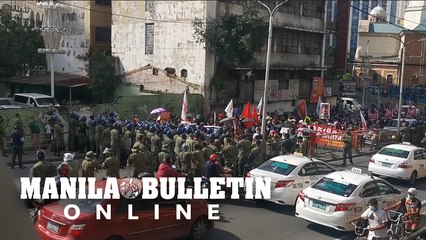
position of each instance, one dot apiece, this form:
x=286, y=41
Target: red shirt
x=165, y=170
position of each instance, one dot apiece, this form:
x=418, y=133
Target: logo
x=131, y=188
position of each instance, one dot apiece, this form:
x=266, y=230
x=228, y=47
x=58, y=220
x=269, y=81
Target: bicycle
x=360, y=231
x=396, y=229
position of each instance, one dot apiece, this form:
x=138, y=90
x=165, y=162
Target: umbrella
x=237, y=111
x=248, y=120
x=228, y=119
x=158, y=110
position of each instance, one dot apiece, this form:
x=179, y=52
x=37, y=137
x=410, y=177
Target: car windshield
x=277, y=167
x=85, y=205
x=5, y=102
x=331, y=186
x=45, y=101
x=394, y=152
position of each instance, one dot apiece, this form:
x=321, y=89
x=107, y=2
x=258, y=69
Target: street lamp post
x=53, y=26
x=401, y=82
x=268, y=57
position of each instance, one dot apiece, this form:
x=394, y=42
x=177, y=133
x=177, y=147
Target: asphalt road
x=248, y=220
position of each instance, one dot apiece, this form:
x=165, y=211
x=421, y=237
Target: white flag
x=230, y=109
x=259, y=105
x=319, y=106
x=184, y=107
x=363, y=122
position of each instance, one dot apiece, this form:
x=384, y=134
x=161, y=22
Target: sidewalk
x=30, y=157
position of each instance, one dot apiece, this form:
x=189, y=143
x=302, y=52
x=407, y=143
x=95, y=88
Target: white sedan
x=399, y=161
x=343, y=195
x=289, y=175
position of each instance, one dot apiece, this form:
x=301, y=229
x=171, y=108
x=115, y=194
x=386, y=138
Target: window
x=103, y=2
x=149, y=38
x=369, y=190
x=149, y=6
x=138, y=205
x=310, y=43
x=418, y=155
x=286, y=41
x=323, y=169
x=103, y=35
x=394, y=152
x=283, y=84
x=308, y=170
x=384, y=188
x=21, y=99
x=333, y=187
x=277, y=167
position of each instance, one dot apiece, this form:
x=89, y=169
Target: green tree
x=102, y=76
x=232, y=38
x=19, y=44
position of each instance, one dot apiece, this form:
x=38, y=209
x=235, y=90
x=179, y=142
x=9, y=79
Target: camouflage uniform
x=43, y=169
x=89, y=166
x=164, y=152
x=256, y=152
x=98, y=133
x=112, y=166
x=197, y=162
x=72, y=133
x=136, y=161
x=58, y=135
x=115, y=142
x=2, y=135
x=155, y=148
x=91, y=136
x=75, y=167
x=82, y=136
x=231, y=155
x=105, y=139
x=244, y=147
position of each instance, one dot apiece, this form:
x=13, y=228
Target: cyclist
x=410, y=207
x=377, y=220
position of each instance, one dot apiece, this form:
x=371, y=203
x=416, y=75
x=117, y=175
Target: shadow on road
x=331, y=232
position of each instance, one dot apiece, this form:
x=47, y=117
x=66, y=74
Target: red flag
x=246, y=110
x=254, y=115
x=301, y=110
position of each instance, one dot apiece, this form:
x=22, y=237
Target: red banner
x=317, y=89
x=330, y=137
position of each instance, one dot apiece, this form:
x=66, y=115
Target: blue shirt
x=16, y=139
x=210, y=170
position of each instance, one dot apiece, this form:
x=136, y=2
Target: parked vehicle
x=7, y=103
x=289, y=175
x=402, y=161
x=35, y=100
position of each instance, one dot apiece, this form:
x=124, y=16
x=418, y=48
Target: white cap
x=68, y=157
x=107, y=150
x=412, y=191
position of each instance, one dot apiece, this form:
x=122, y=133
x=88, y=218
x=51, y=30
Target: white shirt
x=374, y=220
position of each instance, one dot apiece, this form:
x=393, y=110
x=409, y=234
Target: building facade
x=154, y=42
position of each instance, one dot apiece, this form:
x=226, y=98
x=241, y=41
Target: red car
x=52, y=224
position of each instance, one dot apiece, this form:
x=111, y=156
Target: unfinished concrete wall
x=173, y=42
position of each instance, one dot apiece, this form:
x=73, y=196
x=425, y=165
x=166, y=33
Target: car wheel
x=200, y=229
x=413, y=178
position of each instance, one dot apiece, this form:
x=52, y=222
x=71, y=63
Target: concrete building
x=360, y=9
x=154, y=43
x=89, y=24
x=379, y=53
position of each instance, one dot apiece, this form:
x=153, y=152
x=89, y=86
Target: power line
x=388, y=14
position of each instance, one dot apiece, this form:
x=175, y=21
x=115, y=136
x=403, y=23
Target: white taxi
x=401, y=161
x=289, y=175
x=343, y=195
